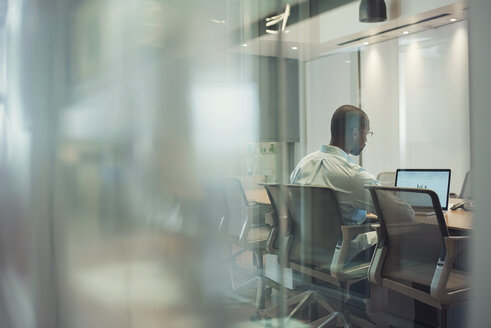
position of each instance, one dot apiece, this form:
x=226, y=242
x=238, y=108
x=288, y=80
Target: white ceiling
x=323, y=34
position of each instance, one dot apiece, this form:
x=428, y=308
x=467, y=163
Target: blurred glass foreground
x=119, y=120
x=115, y=116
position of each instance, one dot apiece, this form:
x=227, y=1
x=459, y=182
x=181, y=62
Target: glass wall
x=119, y=123
x=147, y=145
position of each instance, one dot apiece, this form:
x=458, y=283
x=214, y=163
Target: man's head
x=349, y=128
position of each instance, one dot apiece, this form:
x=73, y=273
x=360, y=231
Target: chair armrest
x=378, y=230
x=255, y=218
x=454, y=245
x=256, y=214
x=376, y=264
x=251, y=219
x=279, y=228
x=271, y=240
x=268, y=218
x=285, y=244
x=222, y=225
x=351, y=231
x=340, y=260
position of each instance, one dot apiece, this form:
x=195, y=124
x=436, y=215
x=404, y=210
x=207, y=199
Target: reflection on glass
x=146, y=146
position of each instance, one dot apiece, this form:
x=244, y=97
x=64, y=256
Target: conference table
x=259, y=196
x=456, y=220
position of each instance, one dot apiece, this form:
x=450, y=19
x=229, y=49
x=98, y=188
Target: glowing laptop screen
x=437, y=180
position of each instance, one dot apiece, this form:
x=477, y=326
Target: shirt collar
x=335, y=151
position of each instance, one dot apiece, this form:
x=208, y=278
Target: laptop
x=437, y=180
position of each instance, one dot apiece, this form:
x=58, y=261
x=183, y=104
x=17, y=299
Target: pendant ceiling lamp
x=372, y=11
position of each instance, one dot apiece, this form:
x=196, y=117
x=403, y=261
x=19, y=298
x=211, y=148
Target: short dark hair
x=345, y=119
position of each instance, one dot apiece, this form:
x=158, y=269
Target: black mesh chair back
x=413, y=230
x=316, y=220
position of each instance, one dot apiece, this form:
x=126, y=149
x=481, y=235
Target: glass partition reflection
x=146, y=149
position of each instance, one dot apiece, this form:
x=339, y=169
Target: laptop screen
x=437, y=180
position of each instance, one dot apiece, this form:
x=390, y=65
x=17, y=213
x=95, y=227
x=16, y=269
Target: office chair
x=387, y=178
x=280, y=219
x=465, y=192
x=243, y=224
x=415, y=254
x=319, y=245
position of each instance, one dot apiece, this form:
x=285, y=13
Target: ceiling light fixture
x=274, y=20
x=372, y=11
x=453, y=19
x=295, y=48
x=244, y=44
x=366, y=43
x=217, y=21
x=405, y=32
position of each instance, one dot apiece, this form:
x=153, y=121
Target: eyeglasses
x=367, y=133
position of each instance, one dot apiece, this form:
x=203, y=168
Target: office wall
x=429, y=126
x=380, y=99
x=330, y=82
x=415, y=90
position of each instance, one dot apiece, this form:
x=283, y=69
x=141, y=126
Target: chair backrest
x=317, y=220
x=281, y=216
x=273, y=191
x=465, y=193
x=414, y=241
x=236, y=205
x=387, y=178
x=213, y=207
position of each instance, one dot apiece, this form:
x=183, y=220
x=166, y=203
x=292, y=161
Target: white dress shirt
x=331, y=167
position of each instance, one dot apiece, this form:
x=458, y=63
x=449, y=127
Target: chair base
x=334, y=319
x=259, y=283
x=342, y=319
x=302, y=301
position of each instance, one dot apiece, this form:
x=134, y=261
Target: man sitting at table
x=331, y=166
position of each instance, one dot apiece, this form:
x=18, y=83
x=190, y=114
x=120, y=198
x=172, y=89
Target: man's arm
x=362, y=198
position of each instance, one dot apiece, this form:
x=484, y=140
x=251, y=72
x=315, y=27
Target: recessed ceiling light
x=405, y=32
x=218, y=21
x=366, y=43
x=348, y=61
x=453, y=19
x=295, y=48
x=244, y=44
